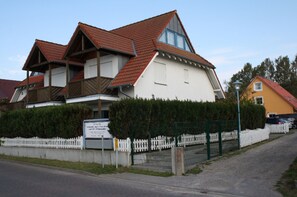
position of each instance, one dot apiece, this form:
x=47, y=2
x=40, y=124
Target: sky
x=227, y=33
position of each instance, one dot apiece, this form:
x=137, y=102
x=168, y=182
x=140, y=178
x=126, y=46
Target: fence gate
x=221, y=136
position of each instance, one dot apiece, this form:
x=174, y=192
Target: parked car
x=287, y=121
x=274, y=120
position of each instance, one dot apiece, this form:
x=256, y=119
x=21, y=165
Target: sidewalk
x=250, y=174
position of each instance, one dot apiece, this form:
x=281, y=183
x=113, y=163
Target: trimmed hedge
x=57, y=121
x=140, y=118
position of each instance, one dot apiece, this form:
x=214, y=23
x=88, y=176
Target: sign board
x=96, y=129
x=96, y=134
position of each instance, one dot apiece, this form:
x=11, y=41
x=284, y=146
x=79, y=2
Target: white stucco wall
x=58, y=77
x=18, y=95
x=180, y=81
x=109, y=67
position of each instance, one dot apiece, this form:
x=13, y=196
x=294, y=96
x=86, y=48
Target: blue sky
x=227, y=33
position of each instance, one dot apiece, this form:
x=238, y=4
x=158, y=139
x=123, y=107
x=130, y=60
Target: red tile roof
x=103, y=39
x=32, y=80
x=7, y=88
x=182, y=53
x=145, y=35
x=52, y=52
x=287, y=96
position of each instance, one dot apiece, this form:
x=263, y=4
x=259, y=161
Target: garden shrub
x=46, y=122
x=142, y=118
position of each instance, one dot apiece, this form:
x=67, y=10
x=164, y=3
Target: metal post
x=102, y=155
x=220, y=139
x=238, y=115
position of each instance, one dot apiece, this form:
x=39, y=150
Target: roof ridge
x=45, y=41
x=173, y=11
x=81, y=23
x=11, y=80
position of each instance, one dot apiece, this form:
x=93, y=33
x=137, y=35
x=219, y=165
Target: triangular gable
x=175, y=26
x=87, y=38
x=42, y=52
x=282, y=92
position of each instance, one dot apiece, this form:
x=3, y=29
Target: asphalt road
x=250, y=174
x=19, y=179
x=253, y=173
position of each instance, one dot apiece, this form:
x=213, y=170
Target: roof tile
x=282, y=92
x=7, y=88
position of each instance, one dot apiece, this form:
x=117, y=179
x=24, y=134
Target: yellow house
x=275, y=98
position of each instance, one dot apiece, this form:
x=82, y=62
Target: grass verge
x=92, y=168
x=287, y=185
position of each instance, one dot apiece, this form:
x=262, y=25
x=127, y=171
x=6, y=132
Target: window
x=175, y=39
x=186, y=76
x=259, y=100
x=170, y=38
x=258, y=86
x=180, y=41
x=160, y=73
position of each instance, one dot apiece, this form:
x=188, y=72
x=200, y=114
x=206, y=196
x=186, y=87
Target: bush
x=141, y=118
x=57, y=121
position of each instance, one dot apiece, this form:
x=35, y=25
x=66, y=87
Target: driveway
x=249, y=174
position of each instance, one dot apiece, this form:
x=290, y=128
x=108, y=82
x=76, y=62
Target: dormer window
x=258, y=86
x=175, y=39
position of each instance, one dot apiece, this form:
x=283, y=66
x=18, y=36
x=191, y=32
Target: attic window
x=258, y=86
x=173, y=38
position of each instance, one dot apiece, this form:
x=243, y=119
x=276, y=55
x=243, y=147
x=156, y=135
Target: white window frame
x=160, y=73
x=259, y=97
x=255, y=86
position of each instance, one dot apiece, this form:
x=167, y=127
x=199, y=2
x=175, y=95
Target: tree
x=265, y=69
x=282, y=74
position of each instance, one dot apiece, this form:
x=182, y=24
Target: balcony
x=87, y=87
x=44, y=94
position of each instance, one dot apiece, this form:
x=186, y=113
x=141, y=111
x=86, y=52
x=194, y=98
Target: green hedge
x=140, y=118
x=57, y=121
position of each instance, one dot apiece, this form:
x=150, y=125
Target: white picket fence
x=278, y=128
x=249, y=137
x=72, y=143
x=163, y=142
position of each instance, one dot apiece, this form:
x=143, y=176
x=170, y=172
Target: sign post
x=116, y=147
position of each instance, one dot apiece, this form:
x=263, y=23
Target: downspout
x=121, y=91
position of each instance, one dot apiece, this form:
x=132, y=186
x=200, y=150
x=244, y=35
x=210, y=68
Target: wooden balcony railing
x=89, y=86
x=44, y=94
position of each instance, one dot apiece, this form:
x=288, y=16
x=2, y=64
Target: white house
x=152, y=58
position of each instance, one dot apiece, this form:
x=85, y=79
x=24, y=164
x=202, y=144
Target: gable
x=275, y=98
x=175, y=35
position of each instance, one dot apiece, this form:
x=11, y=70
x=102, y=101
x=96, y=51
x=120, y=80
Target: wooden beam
x=67, y=77
x=98, y=73
x=99, y=108
x=27, y=87
x=39, y=57
x=82, y=52
x=50, y=82
x=82, y=42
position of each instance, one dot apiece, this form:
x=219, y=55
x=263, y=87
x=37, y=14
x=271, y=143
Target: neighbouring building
x=152, y=58
x=271, y=95
x=7, y=88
